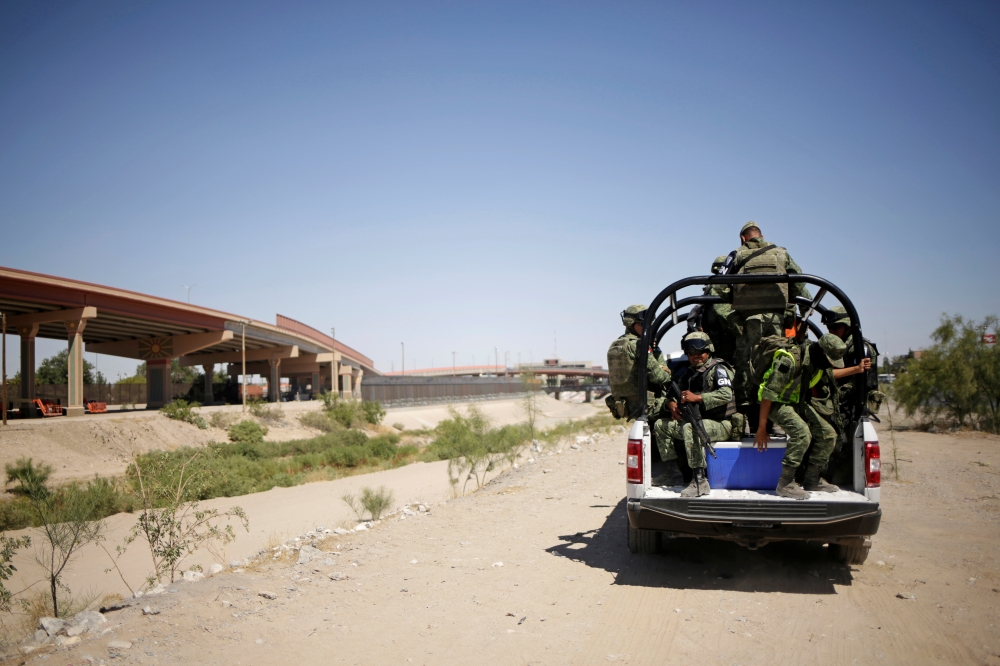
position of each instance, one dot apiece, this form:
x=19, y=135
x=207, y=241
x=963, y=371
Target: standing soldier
x=708, y=384
x=722, y=324
x=624, y=373
x=765, y=307
x=789, y=372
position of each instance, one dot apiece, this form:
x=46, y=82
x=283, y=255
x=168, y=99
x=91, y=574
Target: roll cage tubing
x=650, y=333
x=661, y=330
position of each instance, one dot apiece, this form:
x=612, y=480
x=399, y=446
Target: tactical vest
x=757, y=298
x=620, y=369
x=696, y=381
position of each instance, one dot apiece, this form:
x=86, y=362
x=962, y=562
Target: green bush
x=319, y=421
x=373, y=412
x=247, y=432
x=31, y=479
x=352, y=413
x=265, y=411
x=473, y=448
x=182, y=410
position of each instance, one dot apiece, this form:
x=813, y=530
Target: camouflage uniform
x=756, y=326
x=835, y=317
x=657, y=376
x=797, y=415
x=714, y=382
x=723, y=324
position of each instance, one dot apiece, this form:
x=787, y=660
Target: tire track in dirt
x=638, y=624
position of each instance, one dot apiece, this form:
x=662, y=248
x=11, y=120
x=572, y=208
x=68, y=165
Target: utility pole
x=334, y=377
x=4, y=316
x=189, y=291
x=402, y=368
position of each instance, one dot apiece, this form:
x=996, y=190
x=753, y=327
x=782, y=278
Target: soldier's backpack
x=763, y=356
x=756, y=298
x=620, y=370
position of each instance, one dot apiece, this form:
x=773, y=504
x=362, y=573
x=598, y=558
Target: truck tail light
x=633, y=461
x=873, y=465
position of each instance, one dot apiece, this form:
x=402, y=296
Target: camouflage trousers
x=755, y=328
x=813, y=429
x=669, y=430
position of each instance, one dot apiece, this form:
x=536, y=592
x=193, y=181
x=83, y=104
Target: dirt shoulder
x=534, y=569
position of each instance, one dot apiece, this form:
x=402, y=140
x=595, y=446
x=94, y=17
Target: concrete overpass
x=108, y=320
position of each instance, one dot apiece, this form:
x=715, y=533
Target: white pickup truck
x=846, y=520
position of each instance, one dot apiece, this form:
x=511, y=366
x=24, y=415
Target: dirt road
x=534, y=570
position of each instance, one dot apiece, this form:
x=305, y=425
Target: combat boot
x=698, y=486
x=813, y=482
x=671, y=475
x=787, y=487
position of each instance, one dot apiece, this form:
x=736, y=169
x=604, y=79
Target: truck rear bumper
x=757, y=522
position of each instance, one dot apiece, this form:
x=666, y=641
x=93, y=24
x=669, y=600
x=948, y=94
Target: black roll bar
x=650, y=333
x=661, y=330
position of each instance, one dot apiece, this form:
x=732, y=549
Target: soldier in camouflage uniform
x=708, y=382
x=759, y=322
x=781, y=400
x=624, y=373
x=839, y=323
x=722, y=324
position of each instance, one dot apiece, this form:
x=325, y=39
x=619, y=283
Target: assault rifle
x=692, y=414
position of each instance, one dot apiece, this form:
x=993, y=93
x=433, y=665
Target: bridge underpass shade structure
x=118, y=322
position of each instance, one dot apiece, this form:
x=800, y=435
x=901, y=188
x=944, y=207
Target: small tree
x=170, y=521
x=958, y=376
x=67, y=524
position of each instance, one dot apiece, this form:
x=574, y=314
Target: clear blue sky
x=469, y=176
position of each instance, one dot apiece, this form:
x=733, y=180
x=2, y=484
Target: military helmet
x=749, y=225
x=718, y=264
x=697, y=341
x=834, y=349
x=634, y=314
x=836, y=316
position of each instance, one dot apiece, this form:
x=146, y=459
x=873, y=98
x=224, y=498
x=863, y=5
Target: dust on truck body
x=846, y=520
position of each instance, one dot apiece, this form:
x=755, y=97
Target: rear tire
x=851, y=554
x=643, y=541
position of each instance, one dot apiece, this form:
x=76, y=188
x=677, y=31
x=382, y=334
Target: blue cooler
x=740, y=466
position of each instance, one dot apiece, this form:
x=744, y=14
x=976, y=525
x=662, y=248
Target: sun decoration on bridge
x=156, y=348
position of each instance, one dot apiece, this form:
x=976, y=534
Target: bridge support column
x=74, y=367
x=274, y=380
x=356, y=381
x=209, y=376
x=348, y=394
x=589, y=396
x=317, y=387
x=158, y=387
x=27, y=390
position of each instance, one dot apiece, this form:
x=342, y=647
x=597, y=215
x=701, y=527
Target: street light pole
x=334, y=377
x=4, y=316
x=453, y=373
x=402, y=368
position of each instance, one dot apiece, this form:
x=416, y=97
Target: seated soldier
x=788, y=373
x=708, y=383
x=623, y=373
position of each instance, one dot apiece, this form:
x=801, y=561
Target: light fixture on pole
x=189, y=291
